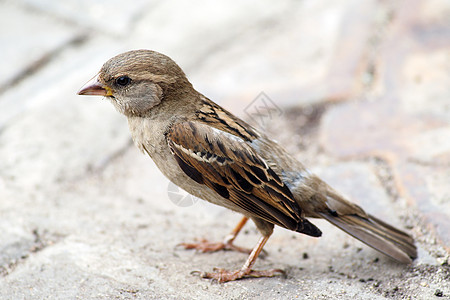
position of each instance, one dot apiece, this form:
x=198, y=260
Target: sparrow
x=215, y=156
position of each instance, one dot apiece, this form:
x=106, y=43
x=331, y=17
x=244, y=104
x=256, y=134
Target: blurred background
x=358, y=90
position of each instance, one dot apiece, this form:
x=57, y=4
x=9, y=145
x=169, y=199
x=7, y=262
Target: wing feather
x=229, y=165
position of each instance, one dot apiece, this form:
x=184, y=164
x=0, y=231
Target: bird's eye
x=123, y=80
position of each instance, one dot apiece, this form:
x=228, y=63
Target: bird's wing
x=233, y=169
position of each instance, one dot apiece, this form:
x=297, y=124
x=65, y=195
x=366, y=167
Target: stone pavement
x=363, y=96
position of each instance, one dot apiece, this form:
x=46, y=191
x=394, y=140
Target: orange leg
x=206, y=246
x=246, y=271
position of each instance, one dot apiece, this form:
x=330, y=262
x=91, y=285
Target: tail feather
x=376, y=234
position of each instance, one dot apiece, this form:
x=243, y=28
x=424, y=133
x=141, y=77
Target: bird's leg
x=246, y=271
x=206, y=246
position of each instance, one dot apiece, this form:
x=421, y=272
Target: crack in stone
x=386, y=176
x=39, y=64
x=384, y=17
x=425, y=163
x=40, y=241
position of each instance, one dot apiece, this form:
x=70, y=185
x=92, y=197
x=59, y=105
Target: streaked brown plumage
x=216, y=156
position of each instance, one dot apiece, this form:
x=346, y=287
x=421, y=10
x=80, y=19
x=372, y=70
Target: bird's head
x=136, y=81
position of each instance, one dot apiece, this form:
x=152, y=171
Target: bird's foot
x=222, y=275
x=205, y=246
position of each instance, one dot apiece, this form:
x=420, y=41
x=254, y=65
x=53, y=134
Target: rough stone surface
x=406, y=121
x=361, y=95
x=29, y=39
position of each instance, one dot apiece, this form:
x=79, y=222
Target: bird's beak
x=95, y=88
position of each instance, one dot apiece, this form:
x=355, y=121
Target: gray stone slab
x=288, y=55
x=27, y=38
x=113, y=17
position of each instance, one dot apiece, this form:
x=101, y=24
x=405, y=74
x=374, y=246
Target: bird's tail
x=376, y=234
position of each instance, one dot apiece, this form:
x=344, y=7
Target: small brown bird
x=216, y=156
